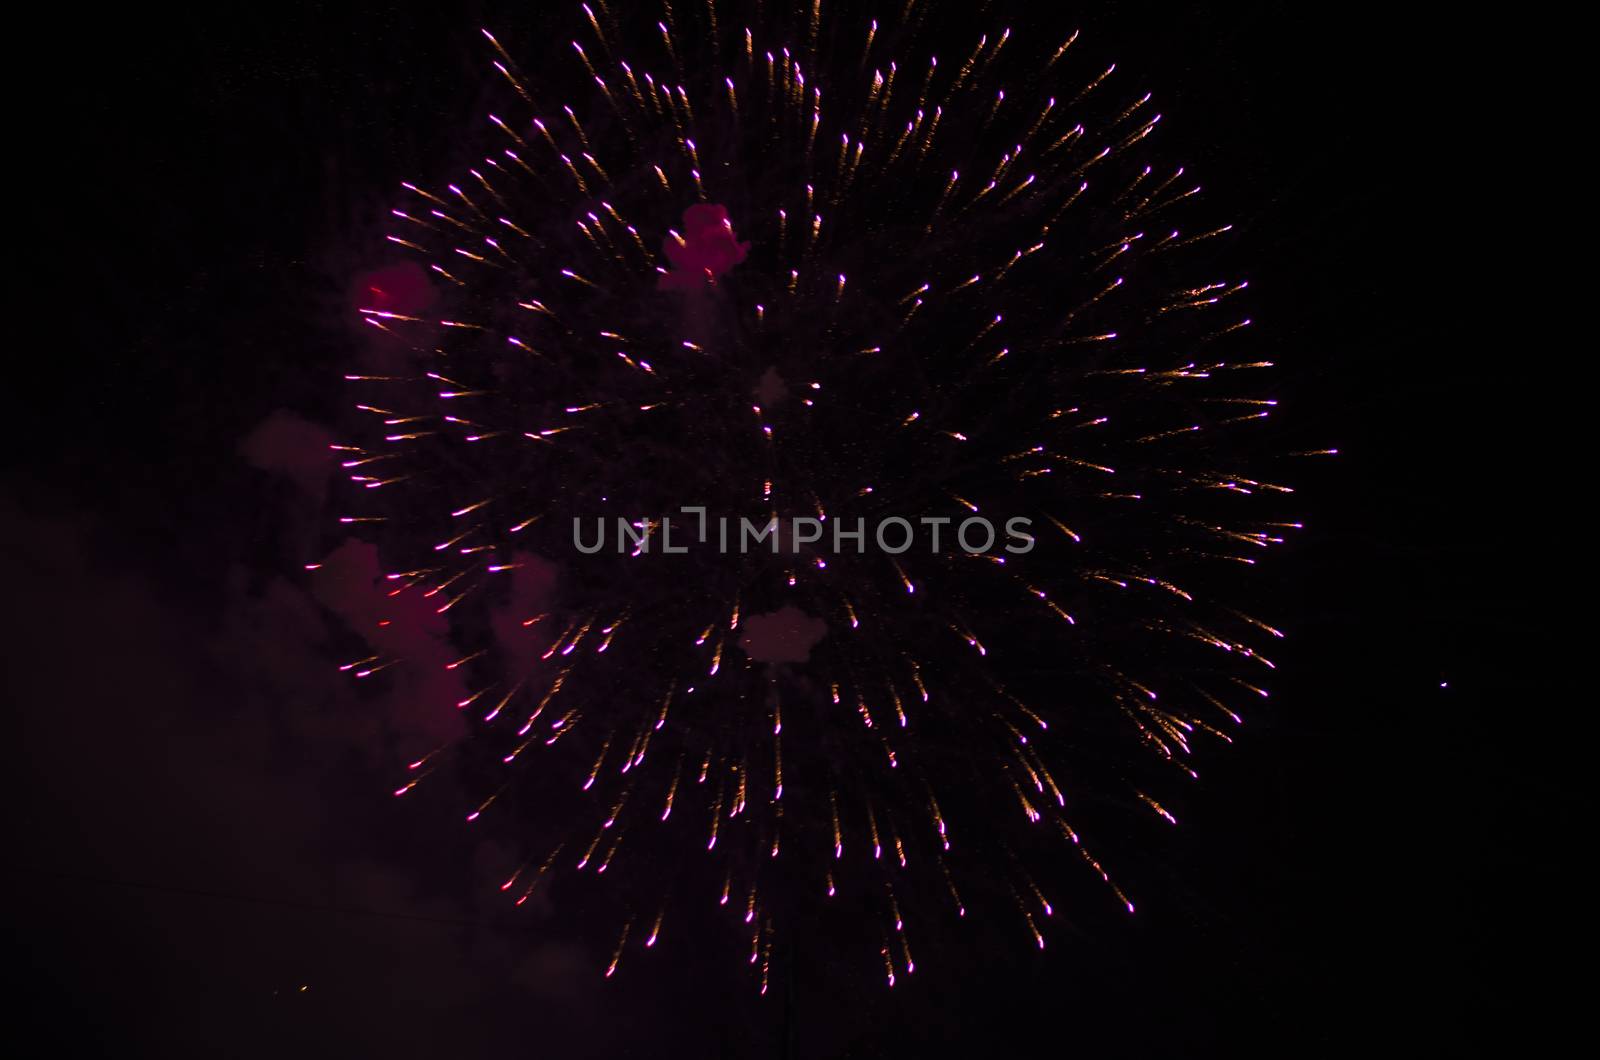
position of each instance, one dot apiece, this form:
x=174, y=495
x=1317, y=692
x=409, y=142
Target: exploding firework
x=796, y=268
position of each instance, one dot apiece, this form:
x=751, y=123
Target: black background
x=206, y=185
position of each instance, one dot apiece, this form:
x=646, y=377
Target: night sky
x=204, y=855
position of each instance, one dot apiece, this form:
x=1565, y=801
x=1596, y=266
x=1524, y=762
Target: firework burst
x=787, y=263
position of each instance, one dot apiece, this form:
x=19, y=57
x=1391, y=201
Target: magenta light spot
x=706, y=251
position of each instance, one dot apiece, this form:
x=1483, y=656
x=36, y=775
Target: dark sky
x=201, y=829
